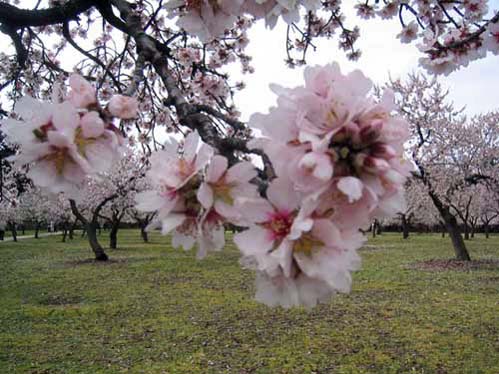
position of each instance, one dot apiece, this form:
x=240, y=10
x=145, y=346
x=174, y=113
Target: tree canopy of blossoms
x=452, y=153
x=332, y=153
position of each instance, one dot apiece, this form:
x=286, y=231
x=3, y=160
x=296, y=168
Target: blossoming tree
x=451, y=152
x=332, y=153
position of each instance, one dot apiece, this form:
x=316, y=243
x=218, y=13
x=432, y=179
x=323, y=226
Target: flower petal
x=216, y=168
x=204, y=195
x=282, y=195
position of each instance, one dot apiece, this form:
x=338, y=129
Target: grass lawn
x=158, y=310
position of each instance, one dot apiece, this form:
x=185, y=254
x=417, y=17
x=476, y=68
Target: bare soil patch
x=446, y=264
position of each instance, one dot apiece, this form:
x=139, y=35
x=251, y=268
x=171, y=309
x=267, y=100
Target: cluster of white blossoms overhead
x=68, y=139
x=208, y=19
x=339, y=159
x=194, y=193
x=338, y=156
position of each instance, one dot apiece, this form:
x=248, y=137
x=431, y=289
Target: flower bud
x=370, y=133
x=382, y=150
x=375, y=165
x=124, y=107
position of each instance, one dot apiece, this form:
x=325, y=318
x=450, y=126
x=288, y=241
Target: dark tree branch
x=21, y=52
x=67, y=36
x=77, y=213
x=17, y=18
x=235, y=124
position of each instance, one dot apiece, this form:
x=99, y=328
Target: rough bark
x=405, y=226
x=144, y=234
x=466, y=232
x=37, y=229
x=90, y=227
x=113, y=236
x=13, y=230
x=143, y=222
x=457, y=239
x=452, y=228
x=114, y=225
x=486, y=220
x=72, y=229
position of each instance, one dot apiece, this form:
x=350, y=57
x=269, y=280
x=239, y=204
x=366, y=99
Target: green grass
x=158, y=310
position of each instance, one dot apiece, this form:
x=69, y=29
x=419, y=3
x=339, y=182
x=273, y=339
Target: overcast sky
x=382, y=55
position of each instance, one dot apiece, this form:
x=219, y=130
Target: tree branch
x=17, y=18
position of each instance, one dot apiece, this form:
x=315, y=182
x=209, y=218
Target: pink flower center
x=168, y=192
x=59, y=157
x=185, y=168
x=41, y=132
x=279, y=224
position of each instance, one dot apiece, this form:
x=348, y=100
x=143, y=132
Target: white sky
x=382, y=55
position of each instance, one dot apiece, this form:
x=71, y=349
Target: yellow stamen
x=306, y=244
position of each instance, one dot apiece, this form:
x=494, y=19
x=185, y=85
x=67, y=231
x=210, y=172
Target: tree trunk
x=456, y=238
x=37, y=229
x=466, y=232
x=72, y=229
x=91, y=229
x=113, y=236
x=373, y=229
x=13, y=230
x=487, y=230
x=452, y=228
x=405, y=226
x=143, y=234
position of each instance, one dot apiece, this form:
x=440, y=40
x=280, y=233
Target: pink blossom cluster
x=63, y=142
x=197, y=65
x=451, y=33
x=194, y=192
x=450, y=41
x=208, y=19
x=338, y=156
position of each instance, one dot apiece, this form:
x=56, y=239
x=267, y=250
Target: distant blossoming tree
x=452, y=153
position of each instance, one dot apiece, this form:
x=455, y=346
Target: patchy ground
x=157, y=310
x=444, y=265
